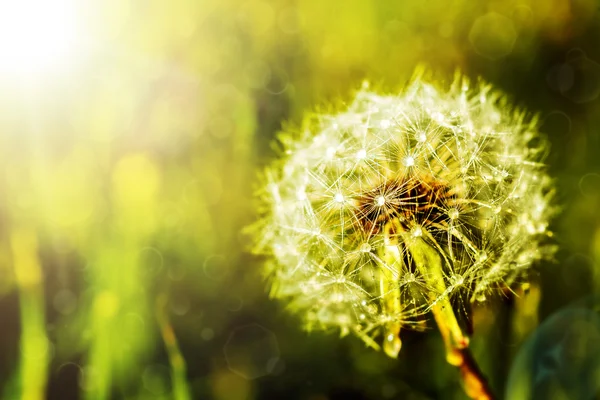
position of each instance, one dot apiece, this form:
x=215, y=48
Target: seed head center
x=413, y=202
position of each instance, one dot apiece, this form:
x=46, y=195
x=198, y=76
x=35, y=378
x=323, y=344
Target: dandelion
x=388, y=209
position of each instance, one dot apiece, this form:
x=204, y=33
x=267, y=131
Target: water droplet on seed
x=417, y=231
x=409, y=161
x=453, y=213
x=361, y=154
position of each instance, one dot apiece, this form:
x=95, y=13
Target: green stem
x=428, y=263
x=178, y=368
x=34, y=342
x=390, y=294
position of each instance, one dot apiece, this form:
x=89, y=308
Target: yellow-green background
x=125, y=182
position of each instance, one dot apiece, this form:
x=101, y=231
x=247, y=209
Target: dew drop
x=365, y=247
x=482, y=256
x=361, y=154
x=409, y=278
x=409, y=161
x=457, y=280
x=392, y=345
x=417, y=231
x=453, y=213
x=301, y=195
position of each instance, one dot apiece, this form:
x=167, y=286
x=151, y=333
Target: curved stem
x=476, y=385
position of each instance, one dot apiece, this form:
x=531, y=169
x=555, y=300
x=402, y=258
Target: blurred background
x=131, y=134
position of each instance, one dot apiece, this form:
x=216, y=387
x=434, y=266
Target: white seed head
x=457, y=167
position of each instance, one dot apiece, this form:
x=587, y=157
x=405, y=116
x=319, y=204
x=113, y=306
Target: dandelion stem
x=34, y=341
x=428, y=263
x=390, y=294
x=178, y=368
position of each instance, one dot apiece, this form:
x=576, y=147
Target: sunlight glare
x=36, y=35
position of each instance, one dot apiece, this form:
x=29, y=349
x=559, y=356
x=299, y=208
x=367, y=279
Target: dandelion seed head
x=457, y=167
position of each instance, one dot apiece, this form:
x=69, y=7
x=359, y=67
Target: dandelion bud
x=383, y=211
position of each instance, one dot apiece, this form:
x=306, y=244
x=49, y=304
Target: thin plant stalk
x=34, y=342
x=181, y=389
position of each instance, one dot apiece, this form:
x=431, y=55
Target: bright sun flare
x=36, y=35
